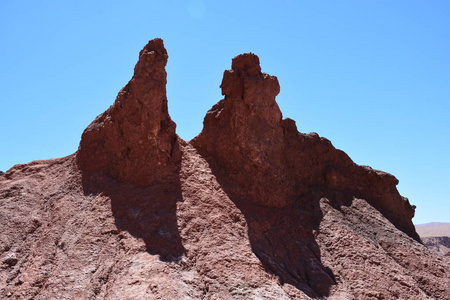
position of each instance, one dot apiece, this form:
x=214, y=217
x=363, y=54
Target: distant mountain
x=431, y=224
x=433, y=229
x=436, y=236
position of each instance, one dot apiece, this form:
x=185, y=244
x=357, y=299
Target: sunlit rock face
x=134, y=140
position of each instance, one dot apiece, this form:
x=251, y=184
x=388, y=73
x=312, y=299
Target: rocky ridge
x=245, y=137
x=249, y=209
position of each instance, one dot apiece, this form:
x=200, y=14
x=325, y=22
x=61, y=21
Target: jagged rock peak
x=268, y=162
x=152, y=60
x=134, y=140
x=246, y=64
x=246, y=81
x=243, y=133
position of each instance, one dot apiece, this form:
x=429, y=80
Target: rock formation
x=272, y=164
x=249, y=209
x=134, y=140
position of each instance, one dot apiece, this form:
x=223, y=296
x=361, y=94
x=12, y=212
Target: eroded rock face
x=134, y=140
x=267, y=161
x=250, y=209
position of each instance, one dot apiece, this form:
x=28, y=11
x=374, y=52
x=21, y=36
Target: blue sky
x=371, y=76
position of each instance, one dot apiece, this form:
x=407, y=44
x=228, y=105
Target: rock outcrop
x=134, y=140
x=249, y=209
x=270, y=163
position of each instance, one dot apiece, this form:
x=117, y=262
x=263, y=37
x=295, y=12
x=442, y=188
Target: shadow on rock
x=284, y=238
x=148, y=213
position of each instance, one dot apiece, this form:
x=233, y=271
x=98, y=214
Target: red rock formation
x=269, y=162
x=134, y=140
x=249, y=209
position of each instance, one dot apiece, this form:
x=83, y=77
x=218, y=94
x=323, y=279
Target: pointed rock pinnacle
x=134, y=140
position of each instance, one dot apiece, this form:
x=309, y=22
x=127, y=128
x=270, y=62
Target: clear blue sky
x=372, y=76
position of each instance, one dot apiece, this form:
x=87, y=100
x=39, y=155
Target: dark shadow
x=148, y=213
x=284, y=238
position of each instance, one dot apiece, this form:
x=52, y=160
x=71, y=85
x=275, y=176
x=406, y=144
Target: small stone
x=10, y=259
